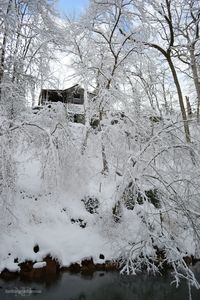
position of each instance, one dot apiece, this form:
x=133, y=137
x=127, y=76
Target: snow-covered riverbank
x=67, y=206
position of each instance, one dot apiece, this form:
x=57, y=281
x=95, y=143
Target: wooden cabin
x=74, y=94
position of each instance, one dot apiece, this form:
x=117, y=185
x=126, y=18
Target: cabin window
x=77, y=95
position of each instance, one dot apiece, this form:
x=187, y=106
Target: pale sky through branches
x=72, y=6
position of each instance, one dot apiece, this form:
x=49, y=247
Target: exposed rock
x=52, y=266
x=111, y=266
x=81, y=222
x=49, y=268
x=73, y=268
x=87, y=266
x=7, y=275
x=101, y=256
x=28, y=271
x=191, y=260
x=100, y=267
x=36, y=249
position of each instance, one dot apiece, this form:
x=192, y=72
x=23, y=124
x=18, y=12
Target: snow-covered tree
x=27, y=30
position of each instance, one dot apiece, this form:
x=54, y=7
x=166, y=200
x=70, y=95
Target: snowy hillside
x=65, y=203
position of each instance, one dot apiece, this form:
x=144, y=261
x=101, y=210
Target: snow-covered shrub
x=132, y=195
x=91, y=204
x=153, y=197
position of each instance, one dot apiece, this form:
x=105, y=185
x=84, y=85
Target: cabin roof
x=62, y=90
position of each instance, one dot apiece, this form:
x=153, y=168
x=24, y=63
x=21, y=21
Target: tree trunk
x=2, y=60
x=3, y=50
x=189, y=108
x=196, y=80
x=180, y=98
x=104, y=159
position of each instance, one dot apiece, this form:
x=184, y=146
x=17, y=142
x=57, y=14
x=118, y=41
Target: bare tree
x=161, y=19
x=187, y=31
x=27, y=31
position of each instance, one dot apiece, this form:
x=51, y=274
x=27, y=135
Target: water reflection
x=101, y=286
